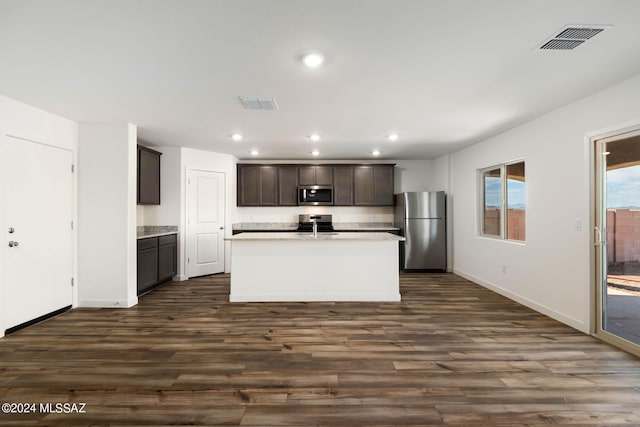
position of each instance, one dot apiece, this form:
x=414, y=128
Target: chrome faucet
x=315, y=229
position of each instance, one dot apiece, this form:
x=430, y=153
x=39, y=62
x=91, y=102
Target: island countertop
x=295, y=266
x=145, y=231
x=322, y=236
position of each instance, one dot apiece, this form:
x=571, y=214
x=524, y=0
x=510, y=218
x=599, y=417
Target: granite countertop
x=364, y=226
x=292, y=226
x=321, y=236
x=265, y=226
x=155, y=230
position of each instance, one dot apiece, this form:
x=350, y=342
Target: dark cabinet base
x=157, y=261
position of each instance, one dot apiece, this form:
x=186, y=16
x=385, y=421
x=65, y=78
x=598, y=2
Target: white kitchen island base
x=297, y=267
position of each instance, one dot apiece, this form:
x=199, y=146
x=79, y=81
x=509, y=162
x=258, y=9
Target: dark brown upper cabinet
x=315, y=175
x=353, y=184
x=373, y=185
x=287, y=185
x=148, y=176
x=343, y=185
x=257, y=185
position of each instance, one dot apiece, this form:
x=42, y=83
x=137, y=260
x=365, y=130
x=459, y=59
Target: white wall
x=551, y=272
x=140, y=220
x=107, y=215
x=413, y=175
x=26, y=122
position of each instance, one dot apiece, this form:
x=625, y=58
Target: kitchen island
x=299, y=267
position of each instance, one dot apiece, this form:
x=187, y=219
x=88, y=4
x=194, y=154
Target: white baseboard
x=109, y=303
x=560, y=317
x=313, y=298
x=179, y=278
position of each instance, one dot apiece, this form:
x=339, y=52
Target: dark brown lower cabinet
x=167, y=257
x=157, y=261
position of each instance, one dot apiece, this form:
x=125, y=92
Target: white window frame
x=503, y=200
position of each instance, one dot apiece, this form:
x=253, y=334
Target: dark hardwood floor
x=451, y=353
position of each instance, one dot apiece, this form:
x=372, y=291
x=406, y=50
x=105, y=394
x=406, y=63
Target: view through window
x=504, y=186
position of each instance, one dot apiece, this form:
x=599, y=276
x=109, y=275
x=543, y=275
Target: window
x=492, y=196
x=503, y=204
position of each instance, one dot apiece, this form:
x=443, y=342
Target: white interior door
x=38, y=253
x=205, y=222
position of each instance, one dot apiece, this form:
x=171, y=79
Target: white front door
x=38, y=252
x=205, y=222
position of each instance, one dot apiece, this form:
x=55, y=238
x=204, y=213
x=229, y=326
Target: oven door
x=315, y=195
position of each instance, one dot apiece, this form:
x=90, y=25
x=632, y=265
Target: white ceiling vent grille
x=572, y=36
x=253, y=103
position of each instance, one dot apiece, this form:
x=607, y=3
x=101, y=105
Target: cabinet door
x=248, y=185
x=148, y=176
x=268, y=186
x=306, y=175
x=167, y=261
x=343, y=186
x=373, y=185
x=383, y=185
x=363, y=185
x=287, y=185
x=324, y=175
x=315, y=175
x=147, y=263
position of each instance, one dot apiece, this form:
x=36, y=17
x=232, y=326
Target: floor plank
x=450, y=354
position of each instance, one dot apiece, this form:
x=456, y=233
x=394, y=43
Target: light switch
x=578, y=224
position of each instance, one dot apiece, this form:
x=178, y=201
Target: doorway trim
x=594, y=141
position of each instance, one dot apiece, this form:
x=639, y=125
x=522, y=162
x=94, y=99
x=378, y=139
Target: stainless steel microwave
x=315, y=195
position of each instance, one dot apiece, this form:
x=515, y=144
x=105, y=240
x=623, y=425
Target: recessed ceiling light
x=376, y=152
x=254, y=152
x=313, y=59
x=237, y=137
x=393, y=137
x=315, y=153
x=314, y=137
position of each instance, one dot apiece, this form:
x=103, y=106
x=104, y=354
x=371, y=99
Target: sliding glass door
x=617, y=239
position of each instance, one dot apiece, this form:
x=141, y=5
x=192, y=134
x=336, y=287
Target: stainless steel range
x=323, y=222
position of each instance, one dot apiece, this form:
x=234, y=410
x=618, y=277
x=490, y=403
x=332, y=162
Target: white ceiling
x=442, y=74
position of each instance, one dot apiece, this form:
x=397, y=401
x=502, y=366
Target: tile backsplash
x=340, y=213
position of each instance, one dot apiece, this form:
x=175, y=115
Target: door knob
x=12, y=244
x=11, y=230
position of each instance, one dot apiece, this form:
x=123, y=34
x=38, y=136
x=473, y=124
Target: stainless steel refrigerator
x=421, y=217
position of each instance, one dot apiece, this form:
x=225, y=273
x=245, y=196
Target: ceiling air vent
x=572, y=36
x=253, y=103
